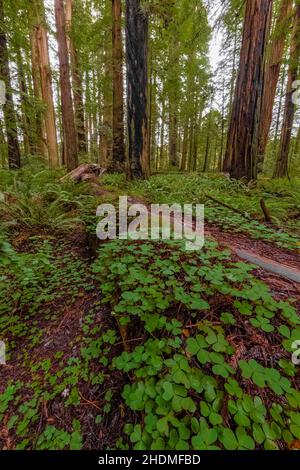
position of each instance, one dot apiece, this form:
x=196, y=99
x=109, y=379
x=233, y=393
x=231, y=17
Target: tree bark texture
x=242, y=143
x=137, y=83
x=14, y=155
x=68, y=121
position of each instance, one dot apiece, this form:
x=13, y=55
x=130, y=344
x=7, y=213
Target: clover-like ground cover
x=146, y=346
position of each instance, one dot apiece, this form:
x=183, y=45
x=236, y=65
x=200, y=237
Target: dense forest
x=141, y=344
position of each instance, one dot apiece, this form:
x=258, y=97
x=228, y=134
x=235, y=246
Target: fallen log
x=227, y=206
x=85, y=172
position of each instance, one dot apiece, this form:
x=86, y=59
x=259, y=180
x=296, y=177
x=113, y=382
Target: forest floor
x=145, y=345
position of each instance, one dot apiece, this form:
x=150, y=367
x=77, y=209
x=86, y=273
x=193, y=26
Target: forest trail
x=280, y=262
x=283, y=263
x=286, y=265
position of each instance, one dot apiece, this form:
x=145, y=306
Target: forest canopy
x=187, y=110
x=70, y=96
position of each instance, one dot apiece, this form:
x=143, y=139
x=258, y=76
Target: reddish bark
x=76, y=82
x=242, y=144
x=273, y=67
x=68, y=121
x=14, y=156
x=281, y=168
x=118, y=106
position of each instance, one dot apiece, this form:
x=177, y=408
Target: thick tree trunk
x=273, y=66
x=281, y=168
x=137, y=83
x=226, y=161
x=46, y=84
x=68, y=121
x=14, y=156
x=76, y=82
x=118, y=89
x=242, y=142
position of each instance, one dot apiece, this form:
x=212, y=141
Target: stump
x=85, y=172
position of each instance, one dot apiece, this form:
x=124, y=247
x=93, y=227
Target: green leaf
x=158, y=444
x=244, y=440
x=270, y=445
x=229, y=440
x=192, y=346
x=285, y=331
x=246, y=369
x=203, y=357
x=163, y=426
x=215, y=419
x=220, y=370
x=295, y=430
x=210, y=436
x=168, y=391
x=182, y=445
x=204, y=409
x=259, y=379
x=137, y=433
x=76, y=441
x=258, y=433
x=184, y=432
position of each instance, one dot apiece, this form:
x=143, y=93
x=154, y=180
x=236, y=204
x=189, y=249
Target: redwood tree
x=68, y=121
x=76, y=81
x=242, y=145
x=117, y=67
x=14, y=156
x=281, y=168
x=137, y=83
x=46, y=81
x=273, y=67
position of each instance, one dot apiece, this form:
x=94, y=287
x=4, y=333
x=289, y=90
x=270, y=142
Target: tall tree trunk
x=220, y=162
x=26, y=124
x=46, y=84
x=234, y=65
x=40, y=130
x=207, y=147
x=242, y=142
x=273, y=66
x=118, y=89
x=137, y=83
x=191, y=146
x=281, y=168
x=162, y=135
x=172, y=135
x=184, y=146
x=226, y=161
x=278, y=115
x=76, y=82
x=14, y=156
x=69, y=129
x=106, y=134
x=88, y=120
x=297, y=146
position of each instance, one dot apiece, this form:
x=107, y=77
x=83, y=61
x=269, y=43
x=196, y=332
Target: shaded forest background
x=70, y=99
